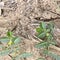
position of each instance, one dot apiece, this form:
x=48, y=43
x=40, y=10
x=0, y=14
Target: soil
x=23, y=16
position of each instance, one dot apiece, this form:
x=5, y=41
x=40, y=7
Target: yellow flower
x=47, y=34
x=10, y=43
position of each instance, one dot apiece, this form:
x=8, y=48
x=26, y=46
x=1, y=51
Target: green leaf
x=39, y=30
x=53, y=42
x=53, y=55
x=45, y=52
x=43, y=25
x=4, y=52
x=9, y=34
x=47, y=30
x=24, y=55
x=40, y=59
x=41, y=45
x=4, y=40
x=57, y=57
x=50, y=26
x=17, y=40
x=42, y=35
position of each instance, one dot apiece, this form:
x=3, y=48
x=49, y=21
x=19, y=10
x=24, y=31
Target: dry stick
x=36, y=23
x=46, y=20
x=50, y=11
x=57, y=49
x=39, y=40
x=53, y=12
x=7, y=8
x=10, y=55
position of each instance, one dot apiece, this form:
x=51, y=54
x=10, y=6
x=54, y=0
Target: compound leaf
x=17, y=40
x=41, y=45
x=24, y=55
x=42, y=35
x=4, y=40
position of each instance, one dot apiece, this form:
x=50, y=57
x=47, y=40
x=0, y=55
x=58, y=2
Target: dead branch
x=47, y=20
x=50, y=11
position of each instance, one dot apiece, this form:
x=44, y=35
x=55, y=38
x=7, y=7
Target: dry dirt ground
x=23, y=16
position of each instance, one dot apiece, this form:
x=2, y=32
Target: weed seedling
x=45, y=32
x=12, y=47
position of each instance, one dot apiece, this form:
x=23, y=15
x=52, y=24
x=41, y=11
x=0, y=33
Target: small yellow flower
x=10, y=43
x=47, y=34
